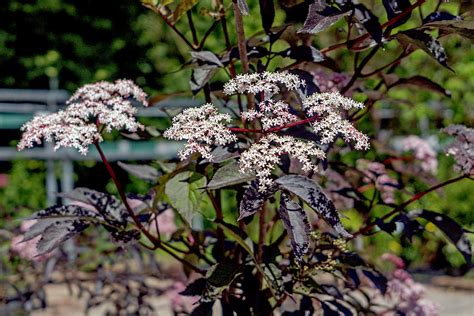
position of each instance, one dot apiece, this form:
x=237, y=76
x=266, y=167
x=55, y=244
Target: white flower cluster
x=77, y=126
x=271, y=114
x=266, y=82
x=462, y=148
x=202, y=127
x=422, y=151
x=263, y=155
x=328, y=107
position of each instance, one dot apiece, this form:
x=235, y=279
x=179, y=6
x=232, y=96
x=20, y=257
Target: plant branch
x=363, y=37
x=402, y=206
x=274, y=129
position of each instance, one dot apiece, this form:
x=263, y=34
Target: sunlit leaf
x=228, y=175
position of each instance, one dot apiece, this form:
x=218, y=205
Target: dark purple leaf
x=195, y=288
x=254, y=199
x=369, y=21
x=297, y=226
x=455, y=233
x=423, y=82
x=303, y=53
x=396, y=7
x=267, y=12
x=320, y=17
x=312, y=194
x=426, y=42
x=440, y=16
x=464, y=28
x=70, y=211
x=378, y=279
x=222, y=274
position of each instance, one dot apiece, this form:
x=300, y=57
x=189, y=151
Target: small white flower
x=423, y=152
x=328, y=107
x=462, y=148
x=271, y=114
x=202, y=127
x=91, y=106
x=262, y=156
x=265, y=82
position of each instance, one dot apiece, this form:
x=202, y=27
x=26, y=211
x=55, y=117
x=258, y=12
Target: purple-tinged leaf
x=70, y=211
x=295, y=221
x=422, y=82
x=320, y=17
x=303, y=53
x=463, y=28
x=440, y=16
x=195, y=288
x=426, y=42
x=369, y=21
x=124, y=237
x=253, y=199
x=200, y=76
x=396, y=7
x=107, y=205
x=314, y=196
x=377, y=278
x=455, y=233
x=58, y=232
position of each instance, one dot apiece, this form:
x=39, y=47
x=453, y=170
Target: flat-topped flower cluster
x=92, y=107
x=204, y=127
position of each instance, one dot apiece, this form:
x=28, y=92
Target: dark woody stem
x=121, y=192
x=402, y=206
x=157, y=244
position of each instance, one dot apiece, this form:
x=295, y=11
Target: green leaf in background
x=183, y=7
x=185, y=197
x=228, y=175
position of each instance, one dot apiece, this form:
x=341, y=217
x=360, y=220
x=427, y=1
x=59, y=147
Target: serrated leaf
x=253, y=199
x=185, y=197
x=228, y=175
x=426, y=42
x=144, y=172
x=455, y=233
x=58, y=232
x=314, y=196
x=183, y=7
x=297, y=226
x=320, y=17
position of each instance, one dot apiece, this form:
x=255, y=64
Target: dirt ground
x=452, y=303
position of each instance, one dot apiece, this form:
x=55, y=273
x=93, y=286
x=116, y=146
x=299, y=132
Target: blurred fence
x=19, y=105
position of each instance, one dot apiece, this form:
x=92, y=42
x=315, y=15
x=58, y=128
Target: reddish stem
x=274, y=129
x=399, y=208
x=123, y=196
